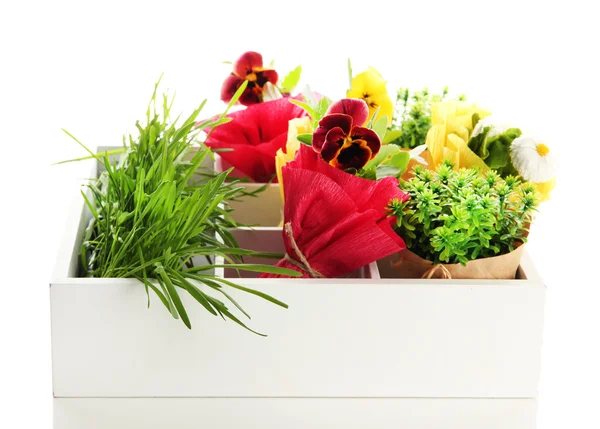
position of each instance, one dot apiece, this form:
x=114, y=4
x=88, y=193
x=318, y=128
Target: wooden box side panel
x=340, y=338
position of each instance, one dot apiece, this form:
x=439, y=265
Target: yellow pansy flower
x=370, y=87
x=451, y=126
x=295, y=127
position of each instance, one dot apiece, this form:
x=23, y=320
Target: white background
x=90, y=68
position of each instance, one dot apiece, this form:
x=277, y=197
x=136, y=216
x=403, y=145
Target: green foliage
x=305, y=139
x=155, y=219
x=458, y=216
x=495, y=151
x=380, y=126
x=349, y=73
x=291, y=80
x=315, y=109
x=390, y=161
x=412, y=117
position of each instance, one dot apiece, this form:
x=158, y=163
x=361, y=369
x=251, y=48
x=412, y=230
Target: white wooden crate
x=371, y=338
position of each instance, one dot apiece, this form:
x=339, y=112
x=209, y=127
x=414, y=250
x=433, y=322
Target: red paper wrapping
x=339, y=221
x=255, y=134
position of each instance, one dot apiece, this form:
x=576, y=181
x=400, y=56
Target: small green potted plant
x=463, y=224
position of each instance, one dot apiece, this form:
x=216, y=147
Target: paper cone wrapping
x=339, y=222
x=408, y=265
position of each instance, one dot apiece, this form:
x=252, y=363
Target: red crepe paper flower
x=339, y=222
x=340, y=138
x=248, y=67
x=255, y=134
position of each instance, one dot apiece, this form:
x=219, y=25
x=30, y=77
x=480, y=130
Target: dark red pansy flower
x=255, y=134
x=248, y=67
x=341, y=139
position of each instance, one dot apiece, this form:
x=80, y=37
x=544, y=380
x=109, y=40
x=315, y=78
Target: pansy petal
x=250, y=96
x=319, y=138
x=337, y=120
x=343, y=122
x=353, y=156
x=369, y=136
x=267, y=75
x=330, y=151
x=357, y=109
x=336, y=135
x=229, y=87
x=385, y=105
x=246, y=63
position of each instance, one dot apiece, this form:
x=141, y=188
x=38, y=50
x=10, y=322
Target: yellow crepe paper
x=452, y=124
x=370, y=87
x=295, y=127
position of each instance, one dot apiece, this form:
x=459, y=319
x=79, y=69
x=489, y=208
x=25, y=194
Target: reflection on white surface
x=293, y=413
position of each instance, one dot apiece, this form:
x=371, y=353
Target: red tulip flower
x=341, y=139
x=255, y=134
x=248, y=67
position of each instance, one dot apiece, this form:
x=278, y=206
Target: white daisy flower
x=489, y=121
x=533, y=159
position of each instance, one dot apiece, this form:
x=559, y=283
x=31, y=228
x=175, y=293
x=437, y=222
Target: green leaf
x=260, y=268
x=474, y=119
x=321, y=110
x=90, y=205
x=196, y=293
x=391, y=135
x=309, y=96
x=292, y=79
x=234, y=99
x=158, y=293
x=244, y=289
x=387, y=171
x=372, y=120
x=390, y=161
x=95, y=156
x=214, y=285
x=239, y=322
x=368, y=173
x=495, y=151
x=380, y=127
x=92, y=154
x=349, y=74
x=311, y=112
x=305, y=139
x=399, y=160
x=384, y=153
x=175, y=298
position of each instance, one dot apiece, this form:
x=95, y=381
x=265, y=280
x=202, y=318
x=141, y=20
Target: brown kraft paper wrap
x=408, y=265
